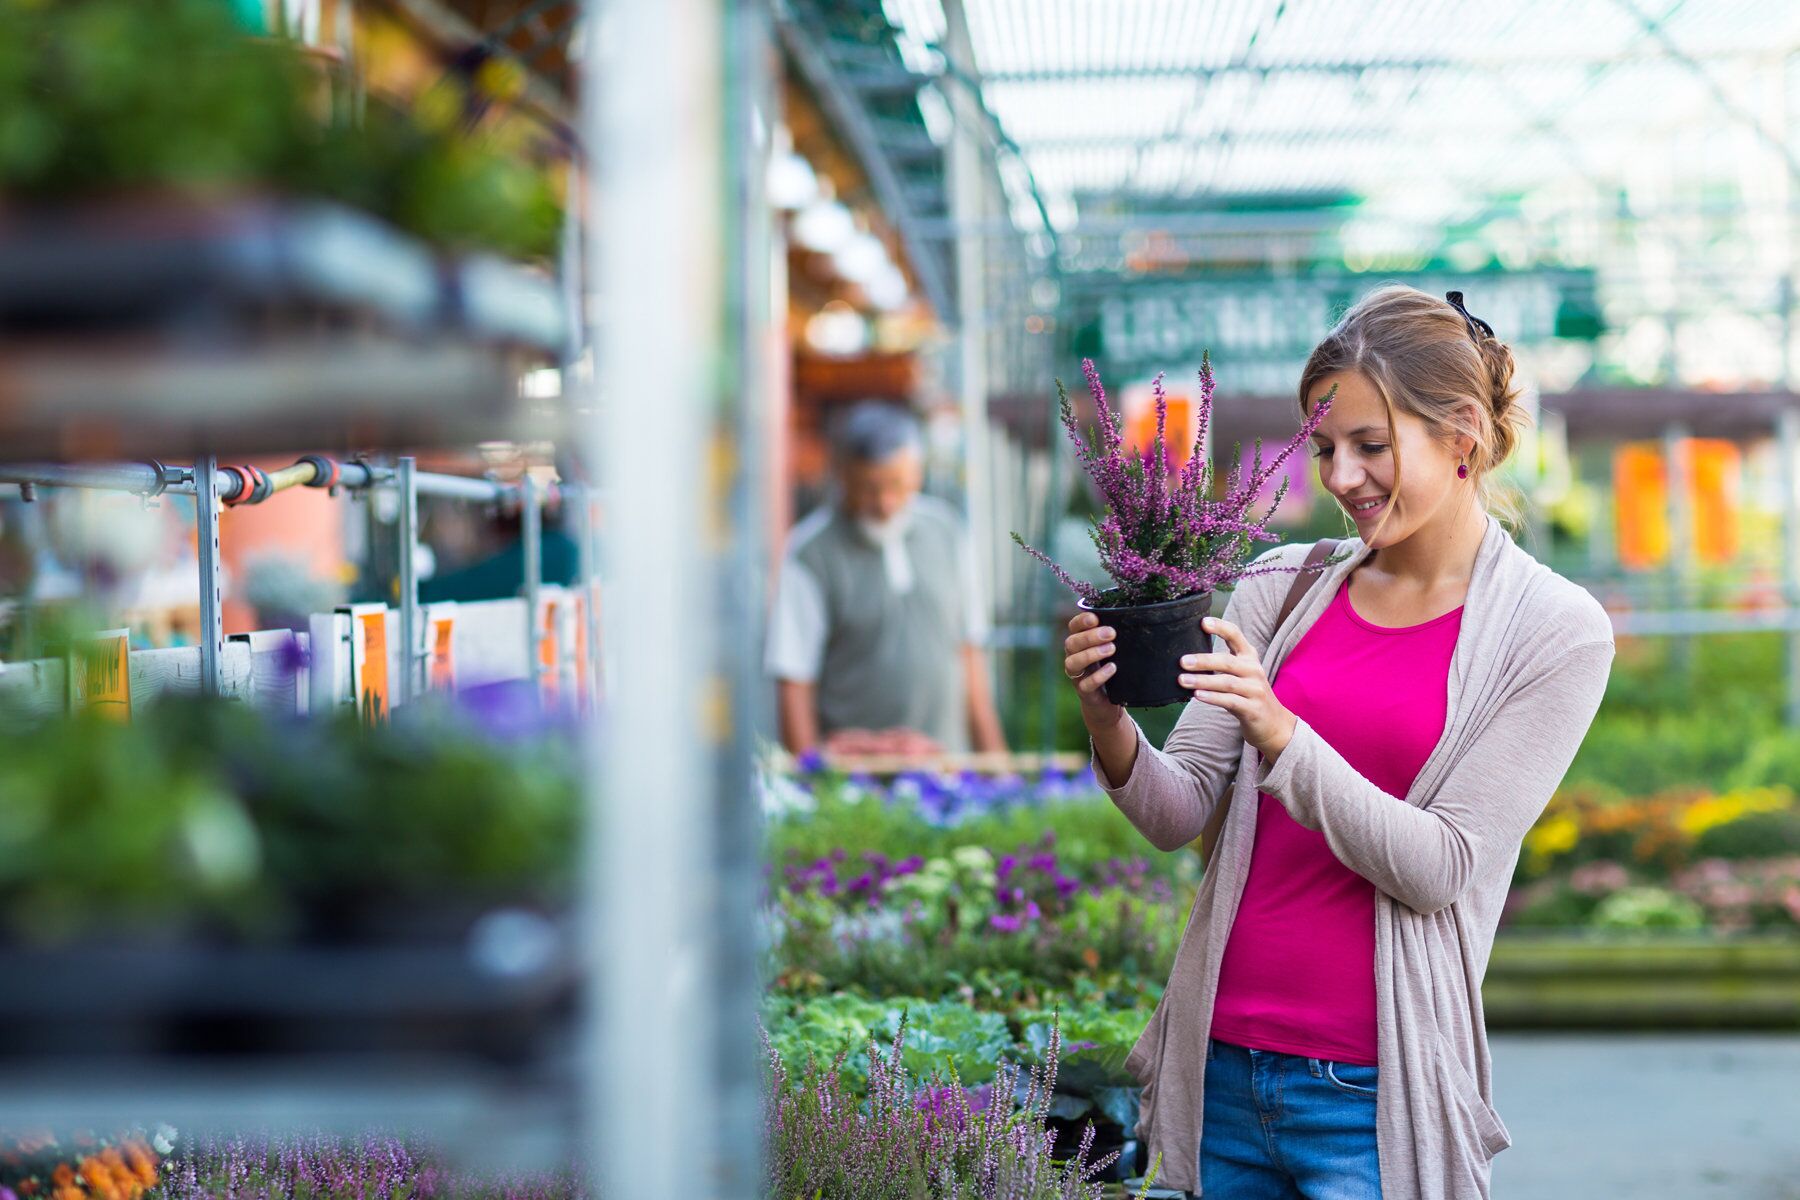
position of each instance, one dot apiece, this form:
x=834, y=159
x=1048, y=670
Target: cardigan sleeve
x=1427, y=857
x=1171, y=793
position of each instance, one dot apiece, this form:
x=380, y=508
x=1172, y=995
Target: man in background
x=876, y=631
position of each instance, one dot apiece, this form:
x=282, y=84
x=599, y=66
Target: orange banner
x=1716, y=468
x=1713, y=471
x=1641, y=500
x=1180, y=428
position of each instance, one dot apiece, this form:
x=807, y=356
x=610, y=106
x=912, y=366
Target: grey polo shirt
x=878, y=628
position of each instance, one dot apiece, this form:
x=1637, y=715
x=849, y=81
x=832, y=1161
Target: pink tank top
x=1299, y=968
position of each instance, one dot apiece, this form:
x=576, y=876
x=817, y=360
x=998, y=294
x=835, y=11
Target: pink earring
x=1462, y=470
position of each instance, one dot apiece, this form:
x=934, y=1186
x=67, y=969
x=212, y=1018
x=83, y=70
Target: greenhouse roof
x=1417, y=113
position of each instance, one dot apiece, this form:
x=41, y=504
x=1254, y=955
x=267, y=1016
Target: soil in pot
x=1151, y=640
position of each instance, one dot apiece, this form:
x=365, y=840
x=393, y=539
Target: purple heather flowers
x=1161, y=539
x=943, y=1141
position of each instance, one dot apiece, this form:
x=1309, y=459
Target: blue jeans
x=1282, y=1127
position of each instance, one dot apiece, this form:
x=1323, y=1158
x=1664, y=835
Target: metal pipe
x=654, y=1086
x=143, y=479
x=1675, y=474
x=531, y=534
x=206, y=528
x=405, y=479
x=462, y=487
x=358, y=476
x=1787, y=449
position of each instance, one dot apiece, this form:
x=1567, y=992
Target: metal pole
x=460, y=487
x=652, y=1075
x=751, y=106
x=531, y=536
x=1680, y=540
x=1048, y=589
x=577, y=501
x=144, y=479
x=969, y=189
x=406, y=480
x=1787, y=432
x=206, y=530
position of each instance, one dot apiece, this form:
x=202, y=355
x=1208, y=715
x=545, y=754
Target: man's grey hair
x=874, y=431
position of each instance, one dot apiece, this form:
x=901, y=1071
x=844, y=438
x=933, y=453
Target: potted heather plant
x=1164, y=540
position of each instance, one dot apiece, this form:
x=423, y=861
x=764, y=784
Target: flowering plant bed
x=943, y=1140
x=375, y=1166
x=45, y=1165
x=1166, y=544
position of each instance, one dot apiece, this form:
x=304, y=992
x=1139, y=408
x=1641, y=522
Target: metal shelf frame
x=215, y=487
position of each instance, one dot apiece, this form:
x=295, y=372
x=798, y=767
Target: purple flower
x=1006, y=922
x=811, y=762
x=1157, y=541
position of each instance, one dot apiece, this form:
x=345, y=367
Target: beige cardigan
x=1531, y=662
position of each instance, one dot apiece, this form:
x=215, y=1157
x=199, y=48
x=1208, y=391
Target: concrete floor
x=1648, y=1116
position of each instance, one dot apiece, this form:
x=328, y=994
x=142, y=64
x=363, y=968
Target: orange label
x=443, y=661
x=372, y=668
x=547, y=680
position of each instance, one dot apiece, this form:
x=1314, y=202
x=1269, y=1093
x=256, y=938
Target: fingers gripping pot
x=1149, y=642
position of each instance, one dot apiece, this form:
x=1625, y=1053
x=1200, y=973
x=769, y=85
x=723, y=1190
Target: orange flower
x=69, y=1192
x=28, y=1187
x=142, y=1163
x=63, y=1176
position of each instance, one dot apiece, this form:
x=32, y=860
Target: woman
x=1321, y=1034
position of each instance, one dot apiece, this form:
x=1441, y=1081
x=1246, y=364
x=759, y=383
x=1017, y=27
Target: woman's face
x=1355, y=452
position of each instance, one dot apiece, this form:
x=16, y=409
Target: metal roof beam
x=1474, y=63
x=843, y=103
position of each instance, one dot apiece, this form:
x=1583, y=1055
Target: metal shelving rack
x=654, y=1060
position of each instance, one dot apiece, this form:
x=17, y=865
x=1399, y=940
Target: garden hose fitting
x=325, y=470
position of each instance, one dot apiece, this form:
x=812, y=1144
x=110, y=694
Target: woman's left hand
x=1240, y=687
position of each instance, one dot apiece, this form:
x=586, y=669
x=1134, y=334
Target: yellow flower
x=1552, y=836
x=1709, y=811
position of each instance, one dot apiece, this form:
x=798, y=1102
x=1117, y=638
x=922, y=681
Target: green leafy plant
x=112, y=98
x=214, y=815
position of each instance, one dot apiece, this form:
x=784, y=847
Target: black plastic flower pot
x=1150, y=641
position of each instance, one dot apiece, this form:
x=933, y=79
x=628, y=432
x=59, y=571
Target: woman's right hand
x=1086, y=651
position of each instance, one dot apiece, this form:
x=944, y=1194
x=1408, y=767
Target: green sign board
x=1259, y=330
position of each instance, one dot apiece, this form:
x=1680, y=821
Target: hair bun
x=1502, y=397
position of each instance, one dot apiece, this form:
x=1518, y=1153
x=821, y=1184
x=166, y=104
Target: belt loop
x=1318, y=1071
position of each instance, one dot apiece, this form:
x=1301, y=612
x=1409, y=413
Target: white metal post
x=1681, y=540
x=1788, y=450
x=751, y=109
x=531, y=535
x=206, y=529
x=406, y=480
x=969, y=172
x=656, y=1090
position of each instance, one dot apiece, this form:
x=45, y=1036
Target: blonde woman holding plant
x=1382, y=753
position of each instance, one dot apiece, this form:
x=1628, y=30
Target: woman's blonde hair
x=1424, y=358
